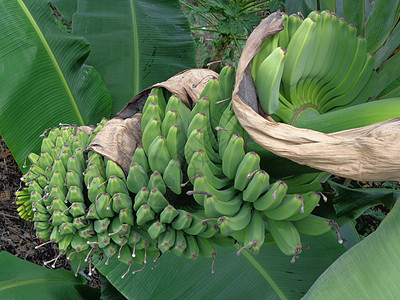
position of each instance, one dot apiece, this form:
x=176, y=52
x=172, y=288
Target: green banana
x=350, y=75
x=73, y=179
x=173, y=176
x=175, y=142
x=182, y=221
x=141, y=198
x=172, y=118
x=158, y=155
x=137, y=178
x=213, y=91
x=116, y=185
x=150, y=133
x=201, y=184
x=249, y=163
x=291, y=205
x=258, y=184
x=157, y=201
x=156, y=229
x=144, y=214
x=313, y=225
x=299, y=51
x=268, y=79
x=310, y=200
x=121, y=201
x=239, y=221
x=74, y=194
x=113, y=169
x=254, y=233
x=167, y=239
x=266, y=48
x=139, y=157
x=197, y=226
x=286, y=237
x=192, y=249
x=151, y=111
x=215, y=208
x=180, y=243
x=233, y=155
x=272, y=198
x=199, y=165
x=168, y=214
x=226, y=78
x=156, y=181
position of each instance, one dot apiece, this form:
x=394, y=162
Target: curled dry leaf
x=187, y=85
x=369, y=153
x=118, y=140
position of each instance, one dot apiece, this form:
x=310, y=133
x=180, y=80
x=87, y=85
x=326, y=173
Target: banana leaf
x=44, y=79
x=66, y=7
x=370, y=270
x=268, y=275
x=135, y=44
x=20, y=279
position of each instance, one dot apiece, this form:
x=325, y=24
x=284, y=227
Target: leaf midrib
x=135, y=49
x=264, y=274
x=53, y=60
x=20, y=283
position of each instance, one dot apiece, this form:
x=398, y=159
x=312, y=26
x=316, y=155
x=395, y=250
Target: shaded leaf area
x=44, y=80
x=350, y=203
x=108, y=291
x=20, y=279
x=135, y=43
x=367, y=271
x=269, y=275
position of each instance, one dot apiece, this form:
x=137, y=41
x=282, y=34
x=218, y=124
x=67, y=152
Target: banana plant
x=270, y=274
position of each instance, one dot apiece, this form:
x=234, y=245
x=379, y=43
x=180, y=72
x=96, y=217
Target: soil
x=17, y=236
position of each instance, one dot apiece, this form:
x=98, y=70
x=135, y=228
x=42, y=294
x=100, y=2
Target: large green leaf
x=20, y=279
x=369, y=270
x=135, y=43
x=66, y=7
x=43, y=77
x=269, y=275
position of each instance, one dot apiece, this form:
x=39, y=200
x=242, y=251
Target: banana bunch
x=191, y=185
x=313, y=69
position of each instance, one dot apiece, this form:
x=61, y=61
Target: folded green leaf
x=352, y=202
x=20, y=279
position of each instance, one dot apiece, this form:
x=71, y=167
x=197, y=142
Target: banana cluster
x=191, y=185
x=54, y=197
x=312, y=66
